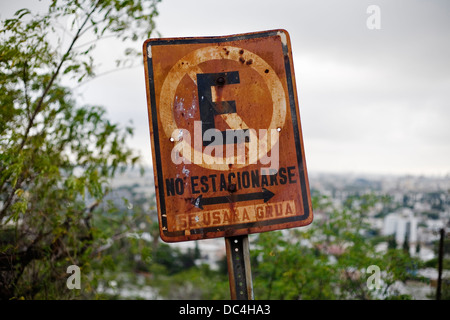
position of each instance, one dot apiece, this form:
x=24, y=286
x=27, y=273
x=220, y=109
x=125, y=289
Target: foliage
x=56, y=157
x=194, y=283
x=329, y=259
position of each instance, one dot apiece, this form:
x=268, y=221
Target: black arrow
x=265, y=195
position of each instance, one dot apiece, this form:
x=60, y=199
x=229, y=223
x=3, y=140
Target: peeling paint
x=149, y=51
x=283, y=37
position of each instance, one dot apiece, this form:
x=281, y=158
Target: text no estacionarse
x=241, y=179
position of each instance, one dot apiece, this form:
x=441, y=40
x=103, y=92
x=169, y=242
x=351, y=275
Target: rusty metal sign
x=226, y=138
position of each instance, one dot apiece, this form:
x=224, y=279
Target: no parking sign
x=227, y=146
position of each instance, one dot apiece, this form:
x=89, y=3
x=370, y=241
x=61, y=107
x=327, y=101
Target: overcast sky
x=371, y=101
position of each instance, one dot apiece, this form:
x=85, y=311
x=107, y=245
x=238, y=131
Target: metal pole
x=441, y=255
x=239, y=269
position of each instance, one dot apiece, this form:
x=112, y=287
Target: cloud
x=370, y=100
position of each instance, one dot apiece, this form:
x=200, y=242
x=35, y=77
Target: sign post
x=239, y=270
x=226, y=138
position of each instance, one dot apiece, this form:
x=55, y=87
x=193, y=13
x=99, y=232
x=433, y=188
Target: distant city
x=420, y=205
x=419, y=208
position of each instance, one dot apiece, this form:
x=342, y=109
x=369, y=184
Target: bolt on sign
x=226, y=138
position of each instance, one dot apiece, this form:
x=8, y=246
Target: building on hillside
x=403, y=225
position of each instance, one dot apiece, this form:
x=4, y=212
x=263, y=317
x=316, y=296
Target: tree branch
x=104, y=74
x=40, y=102
x=25, y=84
x=52, y=79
